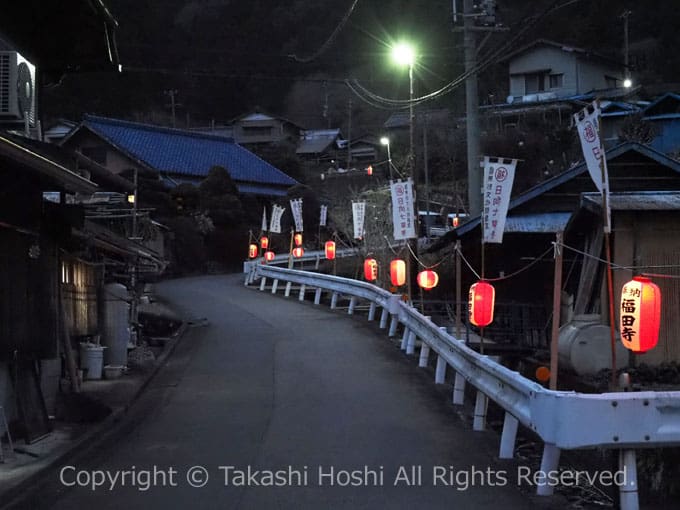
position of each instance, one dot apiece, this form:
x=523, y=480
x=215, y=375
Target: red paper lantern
x=298, y=252
x=371, y=270
x=427, y=279
x=264, y=242
x=330, y=250
x=398, y=272
x=640, y=314
x=456, y=221
x=369, y=170
x=480, y=303
x=298, y=239
x=252, y=251
x=269, y=256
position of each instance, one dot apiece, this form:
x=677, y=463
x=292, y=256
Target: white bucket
x=92, y=360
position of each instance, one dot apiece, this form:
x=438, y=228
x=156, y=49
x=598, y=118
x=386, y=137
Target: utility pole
x=349, y=134
x=472, y=112
x=173, y=105
x=625, y=15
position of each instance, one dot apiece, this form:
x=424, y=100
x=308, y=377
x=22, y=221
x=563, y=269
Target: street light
x=404, y=53
x=386, y=141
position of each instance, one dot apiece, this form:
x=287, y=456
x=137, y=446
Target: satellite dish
x=510, y=99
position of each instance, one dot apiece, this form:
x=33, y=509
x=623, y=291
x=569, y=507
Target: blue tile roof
x=187, y=153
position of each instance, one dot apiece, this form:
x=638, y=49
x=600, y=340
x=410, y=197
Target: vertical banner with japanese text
x=296, y=209
x=358, y=215
x=499, y=175
x=588, y=125
x=324, y=216
x=275, y=223
x=403, y=217
x=264, y=219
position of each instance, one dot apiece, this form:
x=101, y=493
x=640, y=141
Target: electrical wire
x=489, y=59
x=330, y=40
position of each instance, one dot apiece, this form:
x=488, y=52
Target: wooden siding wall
x=79, y=288
x=652, y=239
x=28, y=297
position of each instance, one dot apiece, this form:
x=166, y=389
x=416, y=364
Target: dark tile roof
x=188, y=153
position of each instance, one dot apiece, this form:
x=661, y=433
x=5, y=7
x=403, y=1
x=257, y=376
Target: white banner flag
x=264, y=219
x=403, y=217
x=358, y=215
x=588, y=125
x=296, y=208
x=275, y=224
x=324, y=216
x=497, y=188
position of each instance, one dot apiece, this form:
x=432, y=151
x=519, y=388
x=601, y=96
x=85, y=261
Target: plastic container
x=92, y=360
x=585, y=346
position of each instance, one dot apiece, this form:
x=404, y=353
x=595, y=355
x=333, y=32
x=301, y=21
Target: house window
x=97, y=154
x=257, y=130
x=533, y=83
x=556, y=81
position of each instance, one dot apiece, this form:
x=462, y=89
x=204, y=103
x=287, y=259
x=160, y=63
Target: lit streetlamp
x=386, y=141
x=404, y=54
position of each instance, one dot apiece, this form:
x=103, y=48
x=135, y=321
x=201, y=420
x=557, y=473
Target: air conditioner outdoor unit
x=17, y=89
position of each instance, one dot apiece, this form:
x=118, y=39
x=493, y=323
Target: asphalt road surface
x=320, y=404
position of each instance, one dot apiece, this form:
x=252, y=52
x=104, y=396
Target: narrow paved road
x=277, y=385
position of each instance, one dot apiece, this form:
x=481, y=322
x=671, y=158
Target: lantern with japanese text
x=398, y=272
x=371, y=270
x=252, y=251
x=264, y=242
x=298, y=252
x=427, y=279
x=298, y=239
x=480, y=303
x=269, y=256
x=640, y=314
x=329, y=249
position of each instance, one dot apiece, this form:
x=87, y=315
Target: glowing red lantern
x=456, y=221
x=298, y=252
x=480, y=303
x=264, y=242
x=298, y=239
x=398, y=272
x=640, y=314
x=252, y=251
x=371, y=270
x=369, y=170
x=427, y=279
x=330, y=250
x=269, y=256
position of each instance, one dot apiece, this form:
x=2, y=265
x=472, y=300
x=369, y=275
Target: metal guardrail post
x=317, y=296
x=394, y=323
x=628, y=493
x=288, y=287
x=424, y=354
x=263, y=283
x=405, y=337
x=481, y=406
x=549, y=463
x=411, y=344
x=371, y=311
x=275, y=286
x=384, y=314
x=352, y=304
x=302, y=293
x=508, y=437
x=459, y=389
x=334, y=300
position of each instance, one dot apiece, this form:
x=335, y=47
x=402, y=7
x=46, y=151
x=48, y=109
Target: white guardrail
x=562, y=419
